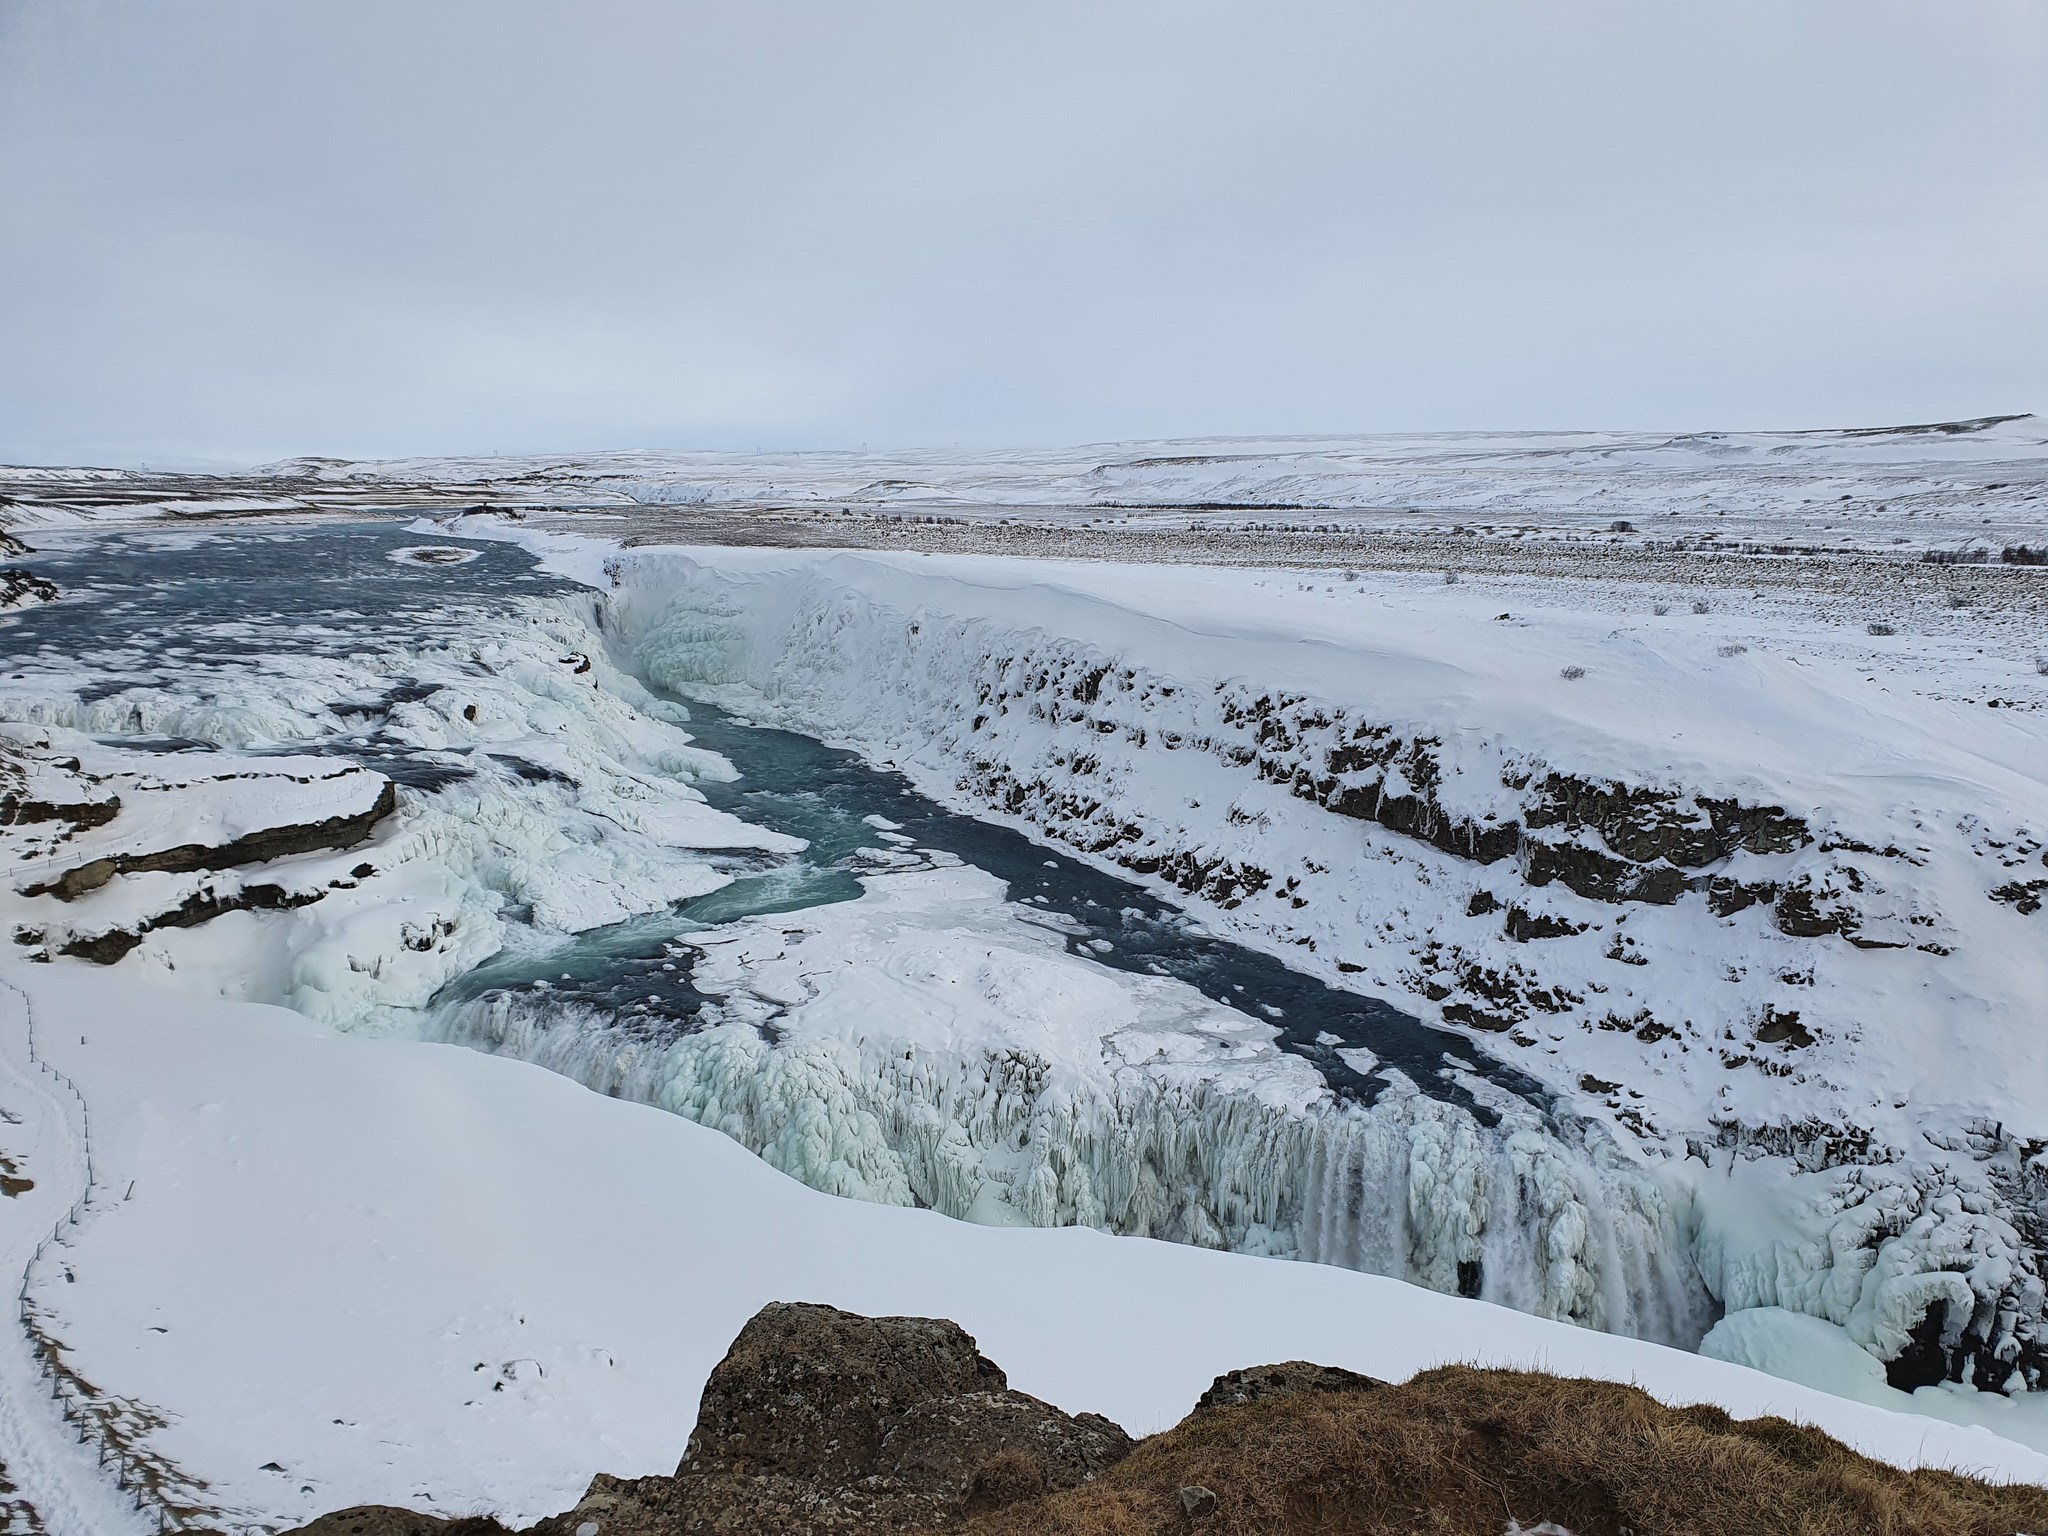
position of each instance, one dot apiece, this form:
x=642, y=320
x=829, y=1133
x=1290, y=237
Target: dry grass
x=1465, y=1451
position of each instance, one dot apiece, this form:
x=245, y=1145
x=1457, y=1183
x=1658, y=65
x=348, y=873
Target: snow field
x=356, y=1270
x=1822, y=480
x=59, y=1479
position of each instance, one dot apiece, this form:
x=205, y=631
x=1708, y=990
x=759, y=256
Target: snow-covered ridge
x=1756, y=946
x=1470, y=470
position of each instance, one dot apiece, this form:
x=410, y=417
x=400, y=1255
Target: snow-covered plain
x=1964, y=489
x=1780, y=475
x=1750, y=894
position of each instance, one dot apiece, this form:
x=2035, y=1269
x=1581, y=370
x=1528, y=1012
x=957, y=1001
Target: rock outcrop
x=24, y=589
x=823, y=1421
x=328, y=834
x=820, y=1422
x=78, y=819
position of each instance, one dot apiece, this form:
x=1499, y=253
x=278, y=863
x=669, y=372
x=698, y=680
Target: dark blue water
x=810, y=790
x=136, y=606
x=147, y=608
x=142, y=609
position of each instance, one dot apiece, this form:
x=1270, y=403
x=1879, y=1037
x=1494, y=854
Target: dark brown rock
x=1810, y=910
x=258, y=847
x=1728, y=897
x=2023, y=895
x=200, y=907
x=384, y=1520
x=19, y=589
x=1781, y=1026
x=102, y=948
x=1233, y=1389
x=823, y=1421
x=1601, y=876
x=1523, y=925
x=17, y=809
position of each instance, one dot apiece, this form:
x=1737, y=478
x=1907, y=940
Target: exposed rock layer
x=260, y=846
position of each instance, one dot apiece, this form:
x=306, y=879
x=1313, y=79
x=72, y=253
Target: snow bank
x=341, y=1270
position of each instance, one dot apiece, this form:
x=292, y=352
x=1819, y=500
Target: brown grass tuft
x=1460, y=1452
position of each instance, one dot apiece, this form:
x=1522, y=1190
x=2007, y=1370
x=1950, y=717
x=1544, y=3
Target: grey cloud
x=250, y=229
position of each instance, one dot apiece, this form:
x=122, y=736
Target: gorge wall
x=1774, y=979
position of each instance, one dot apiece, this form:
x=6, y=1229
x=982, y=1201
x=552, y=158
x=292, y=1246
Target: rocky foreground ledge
x=820, y=1421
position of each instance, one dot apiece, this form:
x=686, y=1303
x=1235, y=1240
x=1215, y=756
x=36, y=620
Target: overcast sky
x=238, y=231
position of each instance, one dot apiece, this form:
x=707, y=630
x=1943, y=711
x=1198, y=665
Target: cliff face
x=1765, y=931
x=820, y=1421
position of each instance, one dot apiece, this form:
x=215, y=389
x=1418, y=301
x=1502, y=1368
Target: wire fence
x=95, y=1417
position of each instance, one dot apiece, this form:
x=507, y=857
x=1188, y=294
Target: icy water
x=800, y=786
x=141, y=608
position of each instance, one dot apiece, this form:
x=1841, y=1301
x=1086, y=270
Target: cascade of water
x=1408, y=1186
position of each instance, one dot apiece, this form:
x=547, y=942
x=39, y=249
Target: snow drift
x=322, y=1270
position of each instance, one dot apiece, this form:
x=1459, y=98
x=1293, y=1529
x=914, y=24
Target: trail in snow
x=56, y=1471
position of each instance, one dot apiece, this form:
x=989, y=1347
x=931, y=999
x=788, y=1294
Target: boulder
x=823, y=1421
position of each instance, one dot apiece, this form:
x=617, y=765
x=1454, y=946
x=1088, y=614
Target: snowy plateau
x=1568, y=901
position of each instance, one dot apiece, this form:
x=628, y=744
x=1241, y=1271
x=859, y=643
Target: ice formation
x=932, y=1044
x=550, y=792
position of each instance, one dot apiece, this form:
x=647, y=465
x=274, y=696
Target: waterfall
x=1549, y=1220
